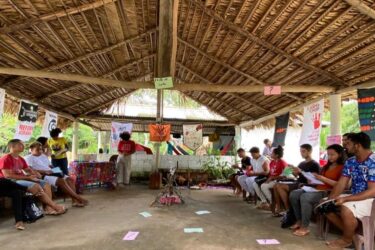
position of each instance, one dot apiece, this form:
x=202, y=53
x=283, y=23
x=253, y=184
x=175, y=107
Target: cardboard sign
x=163, y=83
x=334, y=139
x=272, y=90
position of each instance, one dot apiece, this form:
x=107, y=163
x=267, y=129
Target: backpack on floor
x=31, y=211
x=289, y=219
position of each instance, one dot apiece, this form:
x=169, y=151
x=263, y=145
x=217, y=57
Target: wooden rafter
x=118, y=69
x=150, y=85
x=267, y=45
x=362, y=8
x=97, y=52
x=54, y=15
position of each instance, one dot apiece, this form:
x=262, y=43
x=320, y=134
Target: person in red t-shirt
x=277, y=166
x=126, y=148
x=14, y=167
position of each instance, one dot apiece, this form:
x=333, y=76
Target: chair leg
x=325, y=236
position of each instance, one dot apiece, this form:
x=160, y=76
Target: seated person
x=14, y=191
x=39, y=162
x=281, y=191
x=360, y=169
x=303, y=201
x=14, y=167
x=46, y=149
x=260, y=167
x=245, y=163
x=277, y=166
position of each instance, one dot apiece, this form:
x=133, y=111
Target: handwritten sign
x=272, y=90
x=163, y=83
x=333, y=139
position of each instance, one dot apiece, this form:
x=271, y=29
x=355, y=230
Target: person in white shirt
x=260, y=167
x=39, y=162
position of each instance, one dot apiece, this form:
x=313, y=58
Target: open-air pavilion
x=78, y=57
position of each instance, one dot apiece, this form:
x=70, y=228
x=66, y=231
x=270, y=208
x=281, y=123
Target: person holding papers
x=360, y=169
x=304, y=200
x=282, y=189
x=39, y=162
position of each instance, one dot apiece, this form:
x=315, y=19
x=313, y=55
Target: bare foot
x=20, y=226
x=338, y=244
x=301, y=232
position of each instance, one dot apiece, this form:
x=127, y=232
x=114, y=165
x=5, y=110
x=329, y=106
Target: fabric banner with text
x=193, y=136
x=27, y=117
x=2, y=101
x=366, y=111
x=312, y=121
x=116, y=129
x=160, y=132
x=50, y=122
x=281, y=128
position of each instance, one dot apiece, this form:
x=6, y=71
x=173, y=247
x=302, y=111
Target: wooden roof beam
x=296, y=106
x=70, y=88
x=54, y=15
x=267, y=44
x=362, y=8
x=150, y=85
x=85, y=56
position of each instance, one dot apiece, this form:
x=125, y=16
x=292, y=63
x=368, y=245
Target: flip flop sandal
x=277, y=215
x=50, y=213
x=20, y=227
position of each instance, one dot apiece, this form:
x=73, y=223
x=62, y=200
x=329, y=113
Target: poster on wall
x=26, y=120
x=116, y=129
x=2, y=101
x=193, y=136
x=366, y=111
x=281, y=128
x=160, y=132
x=312, y=121
x=50, y=122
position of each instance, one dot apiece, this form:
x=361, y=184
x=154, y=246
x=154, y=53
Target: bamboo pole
x=362, y=8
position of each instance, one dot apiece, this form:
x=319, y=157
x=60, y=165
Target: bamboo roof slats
x=309, y=47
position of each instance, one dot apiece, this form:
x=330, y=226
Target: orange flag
x=160, y=132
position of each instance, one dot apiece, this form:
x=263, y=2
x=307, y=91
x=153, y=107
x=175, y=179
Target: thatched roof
x=293, y=43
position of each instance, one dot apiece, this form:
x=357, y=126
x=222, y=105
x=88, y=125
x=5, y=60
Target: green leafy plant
x=217, y=169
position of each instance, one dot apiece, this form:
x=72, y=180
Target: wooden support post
x=335, y=109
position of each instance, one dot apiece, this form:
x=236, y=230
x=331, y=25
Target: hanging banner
x=2, y=101
x=163, y=83
x=366, y=111
x=160, y=132
x=193, y=136
x=334, y=139
x=118, y=128
x=312, y=121
x=26, y=120
x=50, y=122
x=281, y=128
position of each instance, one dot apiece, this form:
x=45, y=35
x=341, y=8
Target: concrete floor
x=232, y=224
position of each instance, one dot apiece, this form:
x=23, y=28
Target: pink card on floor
x=130, y=235
x=268, y=242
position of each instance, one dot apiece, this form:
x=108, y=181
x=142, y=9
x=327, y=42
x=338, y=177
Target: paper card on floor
x=268, y=242
x=56, y=170
x=131, y=235
x=145, y=214
x=202, y=212
x=193, y=230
